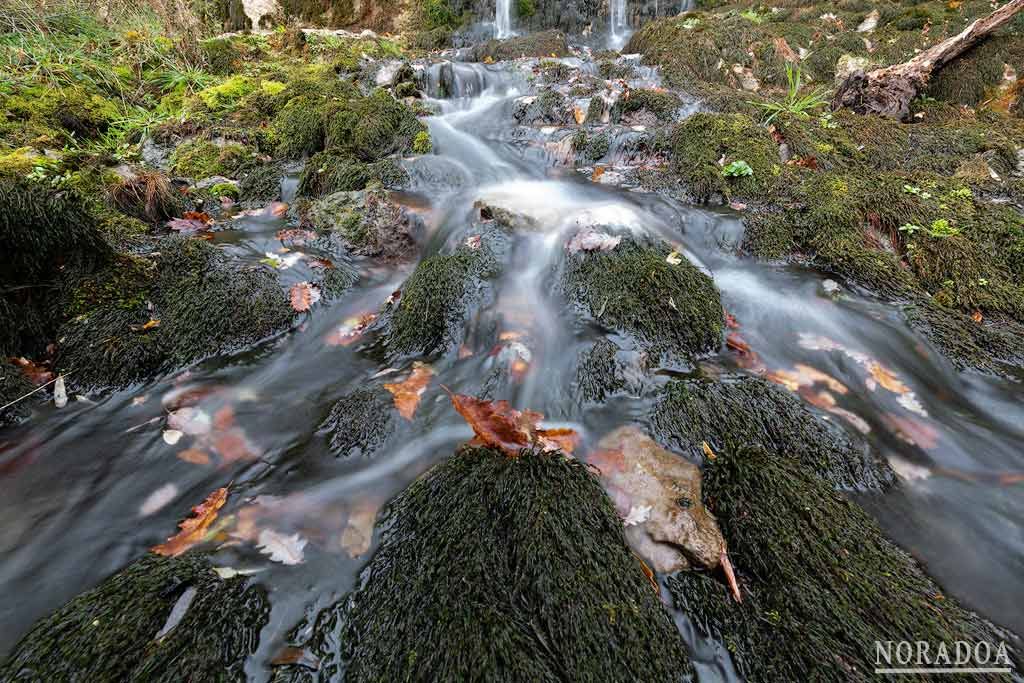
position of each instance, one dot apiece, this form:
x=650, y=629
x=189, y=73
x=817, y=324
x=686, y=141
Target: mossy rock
x=748, y=411
x=550, y=108
x=670, y=310
x=200, y=159
x=50, y=236
x=436, y=300
x=369, y=222
x=159, y=619
x=995, y=349
x=206, y=302
x=261, y=183
x=543, y=44
x=495, y=569
x=221, y=55
x=659, y=104
x=327, y=173
x=599, y=373
x=821, y=583
x=13, y=385
x=371, y=128
x=360, y=422
x=703, y=140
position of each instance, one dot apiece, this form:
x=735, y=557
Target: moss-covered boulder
x=646, y=106
x=494, y=569
x=543, y=44
x=360, y=422
x=996, y=349
x=204, y=301
x=748, y=411
x=646, y=290
x=369, y=223
x=159, y=619
x=599, y=372
x=327, y=173
x=437, y=300
x=550, y=108
x=50, y=236
x=821, y=583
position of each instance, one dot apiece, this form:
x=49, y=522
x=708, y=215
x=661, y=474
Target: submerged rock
x=670, y=308
x=747, y=411
x=821, y=582
x=204, y=303
x=360, y=422
x=159, y=619
x=493, y=569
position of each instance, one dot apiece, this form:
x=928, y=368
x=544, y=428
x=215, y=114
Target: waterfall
x=503, y=18
x=618, y=24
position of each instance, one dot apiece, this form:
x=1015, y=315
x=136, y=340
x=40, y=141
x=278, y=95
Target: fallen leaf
x=977, y=316
x=886, y=378
x=60, y=392
x=35, y=373
x=321, y=263
x=192, y=221
x=281, y=262
x=350, y=330
x=805, y=376
x=498, y=425
x=735, y=342
x=297, y=236
x=407, y=394
x=473, y=241
x=195, y=527
x=598, y=172
x=737, y=206
x=303, y=295
x=152, y=324
x=674, y=259
x=232, y=446
x=224, y=418
x=281, y=548
x=358, y=532
x=194, y=456
x=189, y=420
x=157, y=500
x=580, y=115
x=589, y=239
x=708, y=453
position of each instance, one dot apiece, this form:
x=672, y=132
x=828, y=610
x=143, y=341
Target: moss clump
x=672, y=310
x=13, y=385
x=327, y=173
x=431, y=314
x=50, y=236
x=662, y=105
x=494, y=569
x=360, y=422
x=371, y=128
x=206, y=304
x=261, y=183
x=821, y=583
x=548, y=108
x=228, y=93
x=199, y=159
x=543, y=44
x=115, y=632
x=701, y=141
x=422, y=144
x=599, y=374
x=221, y=55
x=993, y=349
x=299, y=128
x=747, y=411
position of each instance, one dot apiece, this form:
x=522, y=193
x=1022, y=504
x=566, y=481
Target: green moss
x=206, y=303
x=360, y=422
x=371, y=128
x=200, y=159
x=261, y=183
x=422, y=143
x=525, y=8
x=599, y=374
x=744, y=411
x=493, y=569
x=702, y=140
x=226, y=94
x=991, y=349
x=299, y=128
x=431, y=314
x=669, y=309
x=661, y=104
x=224, y=190
x=221, y=55
x=110, y=632
x=807, y=560
x=369, y=223
x=327, y=173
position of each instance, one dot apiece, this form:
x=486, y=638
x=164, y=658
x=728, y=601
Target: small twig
x=39, y=388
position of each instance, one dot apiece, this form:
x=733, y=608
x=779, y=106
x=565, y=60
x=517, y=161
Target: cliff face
x=575, y=16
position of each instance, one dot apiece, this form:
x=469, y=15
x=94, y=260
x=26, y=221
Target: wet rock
x=645, y=107
x=327, y=173
x=746, y=411
x=550, y=108
x=995, y=349
x=159, y=619
x=658, y=495
x=545, y=44
x=506, y=218
x=436, y=301
x=261, y=184
x=808, y=559
x=360, y=422
x=599, y=373
x=369, y=222
x=494, y=569
x=205, y=301
x=672, y=310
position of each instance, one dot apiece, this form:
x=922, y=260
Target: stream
x=75, y=480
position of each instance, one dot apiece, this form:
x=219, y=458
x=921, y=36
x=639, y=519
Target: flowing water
x=503, y=19
x=78, y=482
x=618, y=24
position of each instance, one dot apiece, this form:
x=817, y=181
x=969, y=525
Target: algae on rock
x=494, y=568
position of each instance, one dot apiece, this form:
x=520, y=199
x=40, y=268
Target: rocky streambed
x=779, y=426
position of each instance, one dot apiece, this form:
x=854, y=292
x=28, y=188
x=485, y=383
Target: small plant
x=942, y=228
x=691, y=23
x=753, y=16
x=910, y=228
x=737, y=169
x=916, y=191
x=422, y=143
x=794, y=103
x=828, y=121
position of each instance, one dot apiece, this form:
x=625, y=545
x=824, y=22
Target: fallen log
x=888, y=91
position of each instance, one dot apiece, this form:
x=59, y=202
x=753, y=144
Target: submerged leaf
x=303, y=295
x=408, y=393
x=195, y=527
x=281, y=548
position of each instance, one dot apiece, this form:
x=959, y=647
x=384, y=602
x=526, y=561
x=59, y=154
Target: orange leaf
x=35, y=373
x=224, y=418
x=735, y=342
x=977, y=316
x=195, y=527
x=499, y=425
x=350, y=330
x=194, y=456
x=408, y=393
x=232, y=446
x=303, y=295
x=887, y=378
x=608, y=461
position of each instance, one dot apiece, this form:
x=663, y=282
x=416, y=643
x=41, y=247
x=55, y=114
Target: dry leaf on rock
x=589, y=239
x=349, y=331
x=499, y=425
